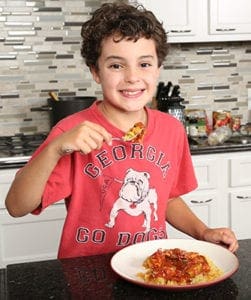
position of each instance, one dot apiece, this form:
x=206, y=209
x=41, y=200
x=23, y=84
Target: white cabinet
x=206, y=171
x=240, y=195
x=240, y=171
x=6, y=177
x=223, y=197
x=230, y=17
x=179, y=17
x=203, y=20
x=206, y=201
x=205, y=204
x=28, y=238
x=240, y=208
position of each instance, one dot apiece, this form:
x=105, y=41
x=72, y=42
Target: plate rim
x=174, y=287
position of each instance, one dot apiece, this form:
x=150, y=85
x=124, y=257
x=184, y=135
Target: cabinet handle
x=181, y=31
x=201, y=201
x=243, y=197
x=225, y=29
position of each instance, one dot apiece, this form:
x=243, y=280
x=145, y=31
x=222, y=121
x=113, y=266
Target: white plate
x=128, y=261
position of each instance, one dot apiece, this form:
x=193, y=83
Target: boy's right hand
x=84, y=138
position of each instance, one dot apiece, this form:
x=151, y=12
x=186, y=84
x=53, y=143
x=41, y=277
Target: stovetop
x=15, y=150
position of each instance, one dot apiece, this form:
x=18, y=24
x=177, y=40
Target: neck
x=121, y=119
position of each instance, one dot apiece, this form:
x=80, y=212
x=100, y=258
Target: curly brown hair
x=126, y=22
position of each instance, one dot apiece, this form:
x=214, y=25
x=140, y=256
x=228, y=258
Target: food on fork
x=135, y=134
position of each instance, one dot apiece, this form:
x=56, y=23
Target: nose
x=131, y=75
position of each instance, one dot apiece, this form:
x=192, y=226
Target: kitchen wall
x=212, y=76
x=40, y=51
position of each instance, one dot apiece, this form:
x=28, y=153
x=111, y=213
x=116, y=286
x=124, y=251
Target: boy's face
x=128, y=72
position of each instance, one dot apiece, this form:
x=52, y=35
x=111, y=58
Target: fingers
x=92, y=136
x=224, y=236
x=89, y=143
x=234, y=246
x=228, y=238
x=84, y=138
x=99, y=133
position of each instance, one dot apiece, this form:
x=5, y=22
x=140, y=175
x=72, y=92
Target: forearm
x=179, y=215
x=27, y=188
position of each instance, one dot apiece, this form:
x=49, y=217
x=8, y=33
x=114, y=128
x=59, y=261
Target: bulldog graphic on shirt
x=135, y=198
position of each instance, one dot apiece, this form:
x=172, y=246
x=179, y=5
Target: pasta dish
x=178, y=267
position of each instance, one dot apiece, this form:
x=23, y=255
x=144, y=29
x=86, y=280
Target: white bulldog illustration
x=135, y=198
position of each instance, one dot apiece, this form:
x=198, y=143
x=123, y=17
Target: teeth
x=131, y=93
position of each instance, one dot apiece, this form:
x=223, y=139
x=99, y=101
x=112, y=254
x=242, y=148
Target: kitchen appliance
x=16, y=150
x=65, y=106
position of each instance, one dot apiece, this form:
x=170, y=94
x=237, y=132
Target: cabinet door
x=240, y=221
x=240, y=171
x=6, y=177
x=30, y=238
x=206, y=171
x=230, y=16
x=205, y=205
x=179, y=17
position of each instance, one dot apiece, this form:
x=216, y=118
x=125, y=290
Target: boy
x=117, y=192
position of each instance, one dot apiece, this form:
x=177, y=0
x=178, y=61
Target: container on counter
x=245, y=129
x=236, y=123
x=196, y=122
x=219, y=135
x=222, y=118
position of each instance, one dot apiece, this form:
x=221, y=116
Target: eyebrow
x=113, y=57
x=121, y=58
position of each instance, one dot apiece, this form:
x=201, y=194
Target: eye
x=115, y=66
x=145, y=65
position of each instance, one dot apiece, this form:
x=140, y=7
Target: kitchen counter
x=200, y=146
x=92, y=278
x=19, y=161
x=197, y=146
x=225, y=148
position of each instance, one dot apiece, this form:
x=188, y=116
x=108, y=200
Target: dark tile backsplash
x=40, y=51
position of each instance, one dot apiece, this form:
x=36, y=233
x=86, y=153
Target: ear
x=129, y=170
x=95, y=74
x=147, y=175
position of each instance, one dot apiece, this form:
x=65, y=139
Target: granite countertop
x=197, y=146
x=225, y=148
x=234, y=144
x=92, y=278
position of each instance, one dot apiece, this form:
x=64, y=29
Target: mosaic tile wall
x=40, y=52
x=213, y=76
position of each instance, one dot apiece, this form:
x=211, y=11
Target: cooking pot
x=65, y=106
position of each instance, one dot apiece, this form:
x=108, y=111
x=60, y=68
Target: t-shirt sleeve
x=58, y=186
x=185, y=180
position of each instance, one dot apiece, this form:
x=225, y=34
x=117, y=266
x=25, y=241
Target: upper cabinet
x=178, y=16
x=230, y=17
x=203, y=20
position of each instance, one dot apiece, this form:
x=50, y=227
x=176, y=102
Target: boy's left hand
x=221, y=236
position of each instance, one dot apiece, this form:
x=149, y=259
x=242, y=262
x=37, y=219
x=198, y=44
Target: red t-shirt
x=117, y=195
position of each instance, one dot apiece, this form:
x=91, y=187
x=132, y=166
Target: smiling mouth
x=132, y=93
